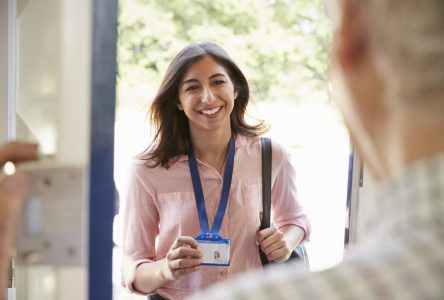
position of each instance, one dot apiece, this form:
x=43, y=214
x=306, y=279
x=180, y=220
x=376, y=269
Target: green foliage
x=280, y=45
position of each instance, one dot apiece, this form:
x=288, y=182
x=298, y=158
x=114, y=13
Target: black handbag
x=299, y=253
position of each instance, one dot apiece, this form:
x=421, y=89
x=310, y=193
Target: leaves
x=281, y=45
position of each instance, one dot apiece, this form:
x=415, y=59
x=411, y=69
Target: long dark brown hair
x=171, y=127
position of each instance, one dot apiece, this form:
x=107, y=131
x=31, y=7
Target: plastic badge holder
x=215, y=249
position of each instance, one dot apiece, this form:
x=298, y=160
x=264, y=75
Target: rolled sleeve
x=140, y=223
x=286, y=208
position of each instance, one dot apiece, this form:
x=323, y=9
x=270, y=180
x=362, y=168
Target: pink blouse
x=160, y=206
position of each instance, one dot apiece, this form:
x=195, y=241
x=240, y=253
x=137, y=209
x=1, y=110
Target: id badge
x=215, y=249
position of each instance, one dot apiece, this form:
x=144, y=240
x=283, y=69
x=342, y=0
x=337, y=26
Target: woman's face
x=207, y=95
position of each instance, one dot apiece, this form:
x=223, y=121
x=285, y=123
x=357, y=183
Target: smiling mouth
x=210, y=112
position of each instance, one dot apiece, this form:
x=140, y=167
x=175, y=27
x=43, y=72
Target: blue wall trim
x=102, y=188
x=351, y=159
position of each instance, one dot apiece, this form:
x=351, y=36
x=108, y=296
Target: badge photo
x=216, y=251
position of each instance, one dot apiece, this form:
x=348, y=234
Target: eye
x=219, y=82
x=191, y=88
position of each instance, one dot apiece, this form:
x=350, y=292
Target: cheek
x=183, y=102
x=340, y=92
x=348, y=108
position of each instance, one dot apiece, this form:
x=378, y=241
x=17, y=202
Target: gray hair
x=408, y=37
x=408, y=40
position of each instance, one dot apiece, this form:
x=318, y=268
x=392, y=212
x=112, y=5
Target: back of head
x=408, y=40
x=388, y=63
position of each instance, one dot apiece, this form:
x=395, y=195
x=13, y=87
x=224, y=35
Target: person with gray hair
x=387, y=72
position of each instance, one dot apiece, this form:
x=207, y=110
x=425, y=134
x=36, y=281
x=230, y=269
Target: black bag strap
x=299, y=253
x=266, y=181
x=266, y=190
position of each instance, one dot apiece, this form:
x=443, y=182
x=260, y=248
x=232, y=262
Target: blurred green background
x=281, y=46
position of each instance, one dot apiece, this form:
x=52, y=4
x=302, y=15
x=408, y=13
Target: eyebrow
x=195, y=80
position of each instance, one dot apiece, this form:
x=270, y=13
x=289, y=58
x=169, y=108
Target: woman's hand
x=182, y=258
x=273, y=244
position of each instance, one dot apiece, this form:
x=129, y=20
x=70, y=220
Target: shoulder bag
x=299, y=253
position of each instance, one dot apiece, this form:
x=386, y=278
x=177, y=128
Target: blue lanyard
x=198, y=193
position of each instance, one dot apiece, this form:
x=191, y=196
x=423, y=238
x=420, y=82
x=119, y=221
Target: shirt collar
x=240, y=141
x=413, y=199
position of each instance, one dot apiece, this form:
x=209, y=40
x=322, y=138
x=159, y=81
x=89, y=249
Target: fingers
x=12, y=194
x=279, y=255
x=279, y=244
x=18, y=151
x=277, y=251
x=268, y=236
x=183, y=263
x=183, y=252
x=183, y=257
x=14, y=185
x=272, y=242
x=184, y=241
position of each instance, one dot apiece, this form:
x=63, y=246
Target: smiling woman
x=201, y=134
x=200, y=78
x=207, y=98
x=282, y=48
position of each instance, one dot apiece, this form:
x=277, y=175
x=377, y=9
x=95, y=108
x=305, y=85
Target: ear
x=352, y=38
x=179, y=106
x=236, y=93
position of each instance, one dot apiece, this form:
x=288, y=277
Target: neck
x=212, y=148
x=417, y=134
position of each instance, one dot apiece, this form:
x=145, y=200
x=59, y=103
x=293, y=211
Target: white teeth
x=211, y=111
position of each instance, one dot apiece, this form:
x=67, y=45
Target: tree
x=281, y=45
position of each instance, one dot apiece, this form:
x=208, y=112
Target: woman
x=181, y=184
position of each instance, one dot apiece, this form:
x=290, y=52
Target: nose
x=207, y=96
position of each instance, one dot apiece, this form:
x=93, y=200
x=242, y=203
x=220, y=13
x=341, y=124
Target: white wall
x=53, y=98
x=3, y=70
